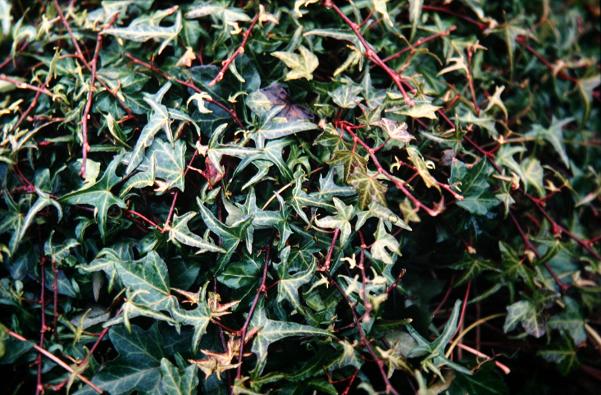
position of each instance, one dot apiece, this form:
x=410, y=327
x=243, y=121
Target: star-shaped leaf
x=474, y=187
x=199, y=317
x=270, y=331
x=383, y=243
x=230, y=236
x=302, y=66
x=290, y=282
x=396, y=132
x=44, y=200
x=554, y=136
x=368, y=186
x=179, y=231
x=178, y=381
x=157, y=120
x=344, y=214
x=99, y=195
x=146, y=281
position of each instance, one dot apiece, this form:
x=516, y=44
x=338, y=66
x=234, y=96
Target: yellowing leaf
x=302, y=3
x=200, y=99
x=421, y=110
x=302, y=66
x=384, y=242
x=496, y=101
x=368, y=187
x=187, y=58
x=458, y=63
x=397, y=132
x=422, y=166
x=380, y=8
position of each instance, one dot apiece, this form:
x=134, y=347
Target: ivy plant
x=299, y=196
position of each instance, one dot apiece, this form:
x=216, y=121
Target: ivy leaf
x=167, y=162
x=179, y=231
x=380, y=8
x=302, y=66
x=563, y=354
x=300, y=199
x=346, y=96
x=376, y=210
x=177, y=381
x=486, y=380
x=526, y=314
x=328, y=188
x=415, y=11
x=420, y=110
x=505, y=158
x=496, y=101
x=432, y=353
x=263, y=158
x=368, y=187
x=344, y=214
x=553, y=135
x=230, y=236
x=586, y=86
x=138, y=364
x=269, y=331
x=350, y=159
x=532, y=172
x=484, y=122
x=44, y=200
x=99, y=195
x=290, y=284
x=147, y=28
x=146, y=281
x=570, y=321
x=396, y=132
x=157, y=120
x=275, y=130
x=199, y=317
x=477, y=196
x=383, y=243
x=422, y=166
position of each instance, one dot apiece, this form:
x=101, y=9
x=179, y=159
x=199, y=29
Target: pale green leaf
x=302, y=66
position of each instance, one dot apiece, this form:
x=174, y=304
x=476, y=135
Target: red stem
x=445, y=297
x=261, y=290
x=522, y=40
x=71, y=35
x=55, y=359
x=480, y=25
x=239, y=51
x=25, y=85
x=55, y=295
x=350, y=382
x=30, y=108
x=145, y=219
x=40, y=386
x=396, y=181
x=86, y=112
x=421, y=41
x=562, y=286
x=370, y=54
x=328, y=260
x=389, y=388
x=188, y=84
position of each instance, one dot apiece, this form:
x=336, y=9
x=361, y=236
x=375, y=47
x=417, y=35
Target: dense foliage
x=303, y=196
